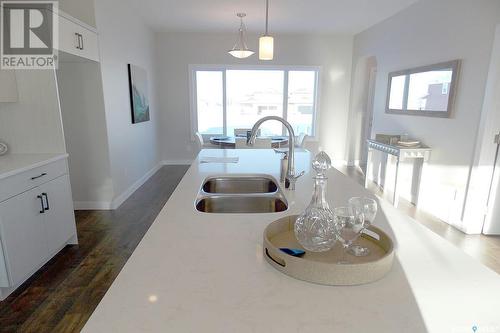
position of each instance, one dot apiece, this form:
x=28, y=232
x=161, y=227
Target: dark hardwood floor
x=62, y=295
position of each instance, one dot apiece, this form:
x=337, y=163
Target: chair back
x=301, y=140
x=242, y=132
x=199, y=140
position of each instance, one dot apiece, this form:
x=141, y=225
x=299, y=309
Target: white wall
x=124, y=39
x=430, y=32
x=177, y=50
x=484, y=159
x=83, y=115
x=33, y=124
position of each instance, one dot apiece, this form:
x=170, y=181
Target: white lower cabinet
x=34, y=226
x=22, y=230
x=58, y=217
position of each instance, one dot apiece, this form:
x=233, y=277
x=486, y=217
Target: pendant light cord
x=267, y=15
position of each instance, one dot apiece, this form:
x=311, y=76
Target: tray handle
x=278, y=261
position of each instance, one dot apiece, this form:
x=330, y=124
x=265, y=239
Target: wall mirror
x=423, y=91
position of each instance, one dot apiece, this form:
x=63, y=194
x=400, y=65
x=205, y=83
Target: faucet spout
x=291, y=178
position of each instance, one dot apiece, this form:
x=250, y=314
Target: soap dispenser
x=283, y=164
x=315, y=228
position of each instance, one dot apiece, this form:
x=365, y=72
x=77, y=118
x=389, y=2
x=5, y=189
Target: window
x=209, y=101
x=236, y=97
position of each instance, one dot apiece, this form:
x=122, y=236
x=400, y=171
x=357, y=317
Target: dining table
x=230, y=141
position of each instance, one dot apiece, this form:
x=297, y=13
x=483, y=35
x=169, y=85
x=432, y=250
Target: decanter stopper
x=321, y=164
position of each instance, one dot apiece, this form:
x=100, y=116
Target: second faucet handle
x=291, y=180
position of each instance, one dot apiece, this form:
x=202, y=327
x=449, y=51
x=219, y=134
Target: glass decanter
x=315, y=228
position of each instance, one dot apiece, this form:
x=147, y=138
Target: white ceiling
x=308, y=16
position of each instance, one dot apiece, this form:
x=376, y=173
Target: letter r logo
x=27, y=28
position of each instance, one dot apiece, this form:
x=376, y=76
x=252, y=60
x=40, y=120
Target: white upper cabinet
x=77, y=39
x=83, y=10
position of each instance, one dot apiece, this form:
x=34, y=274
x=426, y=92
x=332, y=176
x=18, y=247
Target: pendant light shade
x=266, y=48
x=266, y=42
x=240, y=49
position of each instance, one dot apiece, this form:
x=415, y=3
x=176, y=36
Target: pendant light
x=266, y=42
x=240, y=49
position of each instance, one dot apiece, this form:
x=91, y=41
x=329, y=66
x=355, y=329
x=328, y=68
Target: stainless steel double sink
x=241, y=194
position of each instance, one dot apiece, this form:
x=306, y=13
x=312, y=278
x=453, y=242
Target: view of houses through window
x=228, y=99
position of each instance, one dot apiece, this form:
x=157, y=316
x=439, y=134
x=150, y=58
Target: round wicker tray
x=322, y=268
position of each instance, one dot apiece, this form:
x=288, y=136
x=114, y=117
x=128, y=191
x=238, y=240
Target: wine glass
x=369, y=209
x=350, y=223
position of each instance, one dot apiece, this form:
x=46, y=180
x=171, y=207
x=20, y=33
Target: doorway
x=492, y=138
x=368, y=119
x=361, y=111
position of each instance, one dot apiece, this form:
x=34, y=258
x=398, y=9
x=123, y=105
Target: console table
x=421, y=153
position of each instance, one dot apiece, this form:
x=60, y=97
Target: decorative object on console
x=139, y=98
x=315, y=228
x=388, y=139
x=3, y=148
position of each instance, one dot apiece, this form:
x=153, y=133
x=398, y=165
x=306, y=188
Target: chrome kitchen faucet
x=290, y=178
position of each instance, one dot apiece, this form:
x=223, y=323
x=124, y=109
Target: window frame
x=224, y=68
x=454, y=65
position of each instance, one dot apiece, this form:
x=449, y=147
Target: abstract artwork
x=139, y=98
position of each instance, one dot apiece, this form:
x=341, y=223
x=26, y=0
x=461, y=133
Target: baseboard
x=92, y=205
x=127, y=193
x=353, y=163
x=176, y=162
x=106, y=205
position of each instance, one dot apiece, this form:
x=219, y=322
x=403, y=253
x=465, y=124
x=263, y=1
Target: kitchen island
x=201, y=272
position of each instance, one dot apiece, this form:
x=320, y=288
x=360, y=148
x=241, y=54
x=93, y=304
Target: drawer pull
x=40, y=176
x=77, y=41
x=47, y=207
x=41, y=202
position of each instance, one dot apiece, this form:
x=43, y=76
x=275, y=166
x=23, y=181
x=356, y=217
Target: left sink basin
x=240, y=185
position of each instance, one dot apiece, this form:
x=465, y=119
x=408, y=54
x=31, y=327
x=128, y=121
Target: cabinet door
x=59, y=218
x=89, y=45
x=23, y=235
x=77, y=40
x=68, y=36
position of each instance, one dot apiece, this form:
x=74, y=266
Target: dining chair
x=260, y=143
x=200, y=142
x=301, y=140
x=243, y=131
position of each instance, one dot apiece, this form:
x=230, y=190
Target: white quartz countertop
x=13, y=164
x=198, y=272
